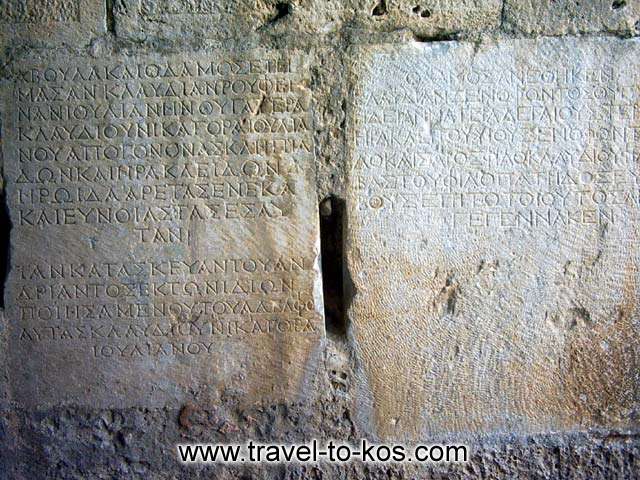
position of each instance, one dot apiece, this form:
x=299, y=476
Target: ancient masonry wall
x=333, y=219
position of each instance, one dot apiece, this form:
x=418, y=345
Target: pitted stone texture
x=165, y=232
x=493, y=242
x=80, y=444
x=561, y=17
x=429, y=18
x=51, y=22
x=182, y=21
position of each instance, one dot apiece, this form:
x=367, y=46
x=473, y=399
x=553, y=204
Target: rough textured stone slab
x=197, y=19
x=37, y=22
x=165, y=232
x=561, y=17
x=493, y=204
x=430, y=18
x=185, y=21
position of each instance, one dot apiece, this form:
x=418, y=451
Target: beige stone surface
x=561, y=17
x=455, y=327
x=46, y=22
x=185, y=21
x=165, y=236
x=493, y=204
x=202, y=19
x=429, y=18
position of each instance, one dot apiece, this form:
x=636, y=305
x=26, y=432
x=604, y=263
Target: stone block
x=186, y=22
x=562, y=17
x=429, y=18
x=165, y=233
x=493, y=206
x=51, y=22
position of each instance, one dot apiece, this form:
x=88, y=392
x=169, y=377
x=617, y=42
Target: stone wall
x=341, y=219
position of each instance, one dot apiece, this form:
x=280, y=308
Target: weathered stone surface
x=42, y=22
x=430, y=18
x=228, y=396
x=165, y=233
x=181, y=21
x=89, y=443
x=493, y=243
x=184, y=21
x=561, y=17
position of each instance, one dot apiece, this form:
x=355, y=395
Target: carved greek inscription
x=493, y=206
x=116, y=312
x=522, y=147
x=163, y=208
x=148, y=145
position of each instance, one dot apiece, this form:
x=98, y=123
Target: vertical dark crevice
x=111, y=19
x=5, y=243
x=332, y=218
